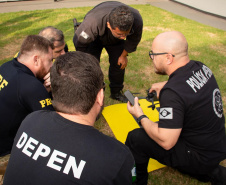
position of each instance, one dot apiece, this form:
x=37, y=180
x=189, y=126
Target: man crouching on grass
x=63, y=147
x=190, y=135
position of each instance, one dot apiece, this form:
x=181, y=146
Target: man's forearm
x=124, y=53
x=151, y=128
x=166, y=138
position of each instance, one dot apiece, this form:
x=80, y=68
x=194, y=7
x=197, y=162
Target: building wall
x=217, y=7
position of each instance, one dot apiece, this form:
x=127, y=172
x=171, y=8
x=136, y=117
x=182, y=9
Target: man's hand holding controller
x=134, y=109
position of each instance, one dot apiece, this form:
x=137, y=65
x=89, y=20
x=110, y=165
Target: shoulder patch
x=84, y=35
x=217, y=103
x=166, y=113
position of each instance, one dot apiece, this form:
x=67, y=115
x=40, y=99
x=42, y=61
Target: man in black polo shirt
x=117, y=28
x=63, y=147
x=56, y=37
x=190, y=135
x=21, y=91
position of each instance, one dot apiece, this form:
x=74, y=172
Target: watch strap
x=140, y=118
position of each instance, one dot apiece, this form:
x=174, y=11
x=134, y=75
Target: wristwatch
x=140, y=118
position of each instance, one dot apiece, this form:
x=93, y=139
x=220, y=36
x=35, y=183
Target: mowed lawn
x=206, y=44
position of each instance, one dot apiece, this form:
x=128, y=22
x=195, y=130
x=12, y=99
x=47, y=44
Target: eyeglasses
x=118, y=35
x=130, y=33
x=151, y=54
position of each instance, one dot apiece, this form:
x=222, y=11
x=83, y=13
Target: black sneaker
x=218, y=176
x=76, y=24
x=119, y=96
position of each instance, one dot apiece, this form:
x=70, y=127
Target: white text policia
x=199, y=78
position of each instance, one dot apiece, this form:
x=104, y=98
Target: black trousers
x=115, y=74
x=180, y=157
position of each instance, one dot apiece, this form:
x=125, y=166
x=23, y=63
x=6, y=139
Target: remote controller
x=130, y=97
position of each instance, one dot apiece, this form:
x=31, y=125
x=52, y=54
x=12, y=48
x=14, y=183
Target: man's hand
x=157, y=87
x=135, y=110
x=122, y=60
x=47, y=83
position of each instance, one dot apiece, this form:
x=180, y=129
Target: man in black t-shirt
x=63, y=147
x=117, y=28
x=21, y=91
x=190, y=135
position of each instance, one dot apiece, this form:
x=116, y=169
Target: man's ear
x=36, y=60
x=34, y=64
x=169, y=59
x=100, y=97
x=108, y=25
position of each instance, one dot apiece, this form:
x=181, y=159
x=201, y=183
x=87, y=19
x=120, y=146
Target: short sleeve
x=33, y=95
x=124, y=176
x=171, y=114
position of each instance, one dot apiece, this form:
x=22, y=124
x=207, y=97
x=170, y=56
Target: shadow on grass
x=20, y=23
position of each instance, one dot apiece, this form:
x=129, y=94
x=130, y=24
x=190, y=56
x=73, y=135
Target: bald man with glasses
x=190, y=135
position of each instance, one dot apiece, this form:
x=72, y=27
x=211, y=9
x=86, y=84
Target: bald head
x=53, y=35
x=170, y=52
x=56, y=37
x=172, y=42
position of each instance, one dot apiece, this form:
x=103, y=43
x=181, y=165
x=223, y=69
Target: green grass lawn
x=206, y=44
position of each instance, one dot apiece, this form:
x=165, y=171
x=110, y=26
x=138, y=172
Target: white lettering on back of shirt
x=42, y=150
x=54, y=158
x=22, y=140
x=71, y=163
x=29, y=146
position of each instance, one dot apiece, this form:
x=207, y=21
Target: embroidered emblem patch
x=217, y=103
x=84, y=35
x=166, y=113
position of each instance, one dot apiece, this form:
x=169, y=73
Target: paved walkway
x=168, y=5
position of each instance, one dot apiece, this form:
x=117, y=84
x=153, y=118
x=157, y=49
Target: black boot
x=218, y=176
x=119, y=96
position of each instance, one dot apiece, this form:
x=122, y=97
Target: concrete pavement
x=168, y=5
x=50, y=4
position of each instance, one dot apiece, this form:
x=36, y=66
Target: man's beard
x=160, y=72
x=41, y=73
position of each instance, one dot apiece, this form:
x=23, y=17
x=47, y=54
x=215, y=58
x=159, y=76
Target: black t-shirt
x=191, y=100
x=20, y=94
x=95, y=25
x=50, y=149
